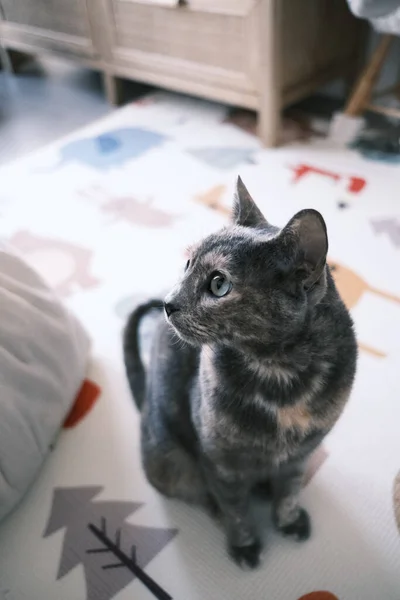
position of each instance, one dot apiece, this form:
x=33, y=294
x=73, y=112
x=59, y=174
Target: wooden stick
x=364, y=87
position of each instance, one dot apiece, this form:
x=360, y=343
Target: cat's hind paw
x=300, y=529
x=247, y=557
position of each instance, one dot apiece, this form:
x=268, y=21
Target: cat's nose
x=170, y=308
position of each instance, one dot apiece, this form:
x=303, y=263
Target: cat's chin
x=185, y=337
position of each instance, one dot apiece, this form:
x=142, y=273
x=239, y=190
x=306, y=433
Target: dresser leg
x=269, y=71
x=269, y=122
x=112, y=88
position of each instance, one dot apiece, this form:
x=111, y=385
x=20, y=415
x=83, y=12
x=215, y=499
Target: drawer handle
x=183, y=2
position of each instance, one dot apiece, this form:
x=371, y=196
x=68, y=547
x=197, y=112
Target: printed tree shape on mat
x=61, y=264
x=355, y=184
x=396, y=500
x=390, y=227
x=130, y=209
x=112, y=552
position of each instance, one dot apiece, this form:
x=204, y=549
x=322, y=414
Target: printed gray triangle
x=67, y=504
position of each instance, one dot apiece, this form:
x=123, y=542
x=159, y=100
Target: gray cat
x=264, y=371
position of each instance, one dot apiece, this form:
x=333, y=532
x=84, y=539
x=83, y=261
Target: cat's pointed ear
x=306, y=233
x=245, y=210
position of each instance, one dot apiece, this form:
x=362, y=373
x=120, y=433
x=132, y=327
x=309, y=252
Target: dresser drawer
x=206, y=39
x=62, y=16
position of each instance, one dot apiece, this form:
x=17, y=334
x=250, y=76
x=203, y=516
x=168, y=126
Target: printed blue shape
x=108, y=143
x=112, y=148
x=223, y=158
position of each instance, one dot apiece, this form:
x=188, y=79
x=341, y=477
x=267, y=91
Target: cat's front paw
x=247, y=557
x=300, y=528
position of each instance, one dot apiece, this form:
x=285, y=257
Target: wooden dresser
x=258, y=54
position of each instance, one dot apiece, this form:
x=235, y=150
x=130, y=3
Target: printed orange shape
x=84, y=402
x=212, y=199
x=352, y=287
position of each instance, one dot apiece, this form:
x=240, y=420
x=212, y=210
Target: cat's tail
x=133, y=361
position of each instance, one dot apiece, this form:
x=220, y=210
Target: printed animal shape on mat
x=61, y=264
x=319, y=596
x=212, y=199
x=223, y=158
x=390, y=227
x=129, y=208
x=355, y=184
x=351, y=288
x=83, y=404
x=112, y=148
x=112, y=551
x=396, y=500
x=138, y=213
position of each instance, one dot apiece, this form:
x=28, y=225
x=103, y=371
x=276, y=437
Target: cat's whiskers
x=179, y=342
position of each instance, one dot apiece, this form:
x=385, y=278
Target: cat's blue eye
x=220, y=285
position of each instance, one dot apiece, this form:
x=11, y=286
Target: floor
x=46, y=100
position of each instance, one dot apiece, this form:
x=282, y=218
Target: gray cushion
x=43, y=359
